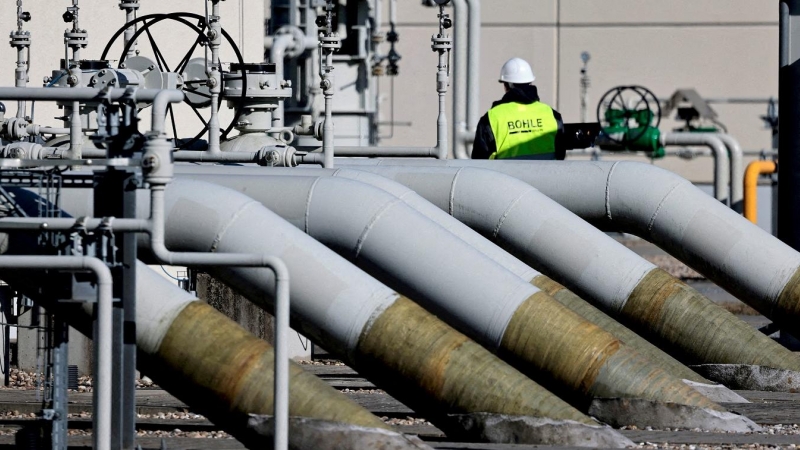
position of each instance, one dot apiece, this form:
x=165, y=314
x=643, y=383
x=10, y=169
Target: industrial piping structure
x=457, y=300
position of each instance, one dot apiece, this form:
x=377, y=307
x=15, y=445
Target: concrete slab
x=620, y=412
x=717, y=393
x=755, y=378
x=325, y=435
x=502, y=429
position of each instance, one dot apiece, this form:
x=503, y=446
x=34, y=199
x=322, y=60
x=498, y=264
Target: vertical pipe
x=459, y=86
x=281, y=389
x=215, y=78
x=754, y=170
x=75, y=132
x=277, y=55
x=474, y=65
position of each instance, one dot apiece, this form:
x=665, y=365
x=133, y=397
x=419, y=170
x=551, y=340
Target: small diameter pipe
x=722, y=169
x=754, y=170
x=460, y=61
x=551, y=239
x=102, y=389
x=75, y=131
x=736, y=156
x=215, y=78
x=277, y=55
x=474, y=65
x=492, y=305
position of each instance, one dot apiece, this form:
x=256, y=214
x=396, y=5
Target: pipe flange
x=20, y=38
x=298, y=40
x=439, y=43
x=330, y=43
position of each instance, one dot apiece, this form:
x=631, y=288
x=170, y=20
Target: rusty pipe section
x=394, y=342
x=214, y=365
x=551, y=239
x=675, y=215
x=547, y=341
x=487, y=248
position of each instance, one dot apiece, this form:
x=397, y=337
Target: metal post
x=115, y=196
x=60, y=381
x=789, y=134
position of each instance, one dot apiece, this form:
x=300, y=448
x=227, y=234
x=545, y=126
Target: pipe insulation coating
x=337, y=305
x=489, y=249
x=210, y=362
x=551, y=239
x=385, y=237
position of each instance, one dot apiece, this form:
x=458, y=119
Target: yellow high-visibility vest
x=523, y=130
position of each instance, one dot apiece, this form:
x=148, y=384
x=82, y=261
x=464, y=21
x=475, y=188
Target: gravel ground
x=711, y=447
x=674, y=267
x=27, y=381
x=321, y=362
x=408, y=421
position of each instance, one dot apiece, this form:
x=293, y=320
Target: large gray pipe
x=483, y=245
x=210, y=362
x=434, y=368
x=381, y=234
x=551, y=239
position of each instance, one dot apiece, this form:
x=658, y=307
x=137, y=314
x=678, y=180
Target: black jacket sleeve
x=484, y=145
x=561, y=150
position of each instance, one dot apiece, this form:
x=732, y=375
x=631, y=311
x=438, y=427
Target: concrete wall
x=723, y=48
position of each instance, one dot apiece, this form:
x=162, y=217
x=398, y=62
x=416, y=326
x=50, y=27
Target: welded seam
x=452, y=199
x=306, y=219
x=652, y=221
x=221, y=233
x=608, y=190
x=375, y=218
x=507, y=212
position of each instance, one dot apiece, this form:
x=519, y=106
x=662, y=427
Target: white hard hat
x=516, y=71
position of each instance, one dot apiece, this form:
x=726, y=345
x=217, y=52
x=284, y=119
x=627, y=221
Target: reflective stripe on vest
x=523, y=130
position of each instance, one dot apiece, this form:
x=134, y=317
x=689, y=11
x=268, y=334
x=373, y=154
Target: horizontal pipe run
x=499, y=309
x=229, y=157
x=551, y=239
x=754, y=171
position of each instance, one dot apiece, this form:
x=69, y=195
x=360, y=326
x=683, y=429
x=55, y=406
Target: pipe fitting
x=157, y=161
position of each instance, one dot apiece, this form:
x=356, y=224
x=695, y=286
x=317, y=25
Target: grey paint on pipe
x=495, y=204
x=364, y=223
x=671, y=212
x=202, y=217
x=460, y=61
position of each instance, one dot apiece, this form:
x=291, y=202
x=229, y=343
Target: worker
x=519, y=126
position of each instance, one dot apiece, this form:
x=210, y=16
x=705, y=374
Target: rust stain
x=211, y=360
x=407, y=349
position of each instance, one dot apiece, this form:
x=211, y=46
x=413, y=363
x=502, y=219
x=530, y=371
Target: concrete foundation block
x=717, y=393
x=323, y=435
x=620, y=412
x=248, y=315
x=503, y=429
x=751, y=378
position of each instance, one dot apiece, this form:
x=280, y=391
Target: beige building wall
x=723, y=48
